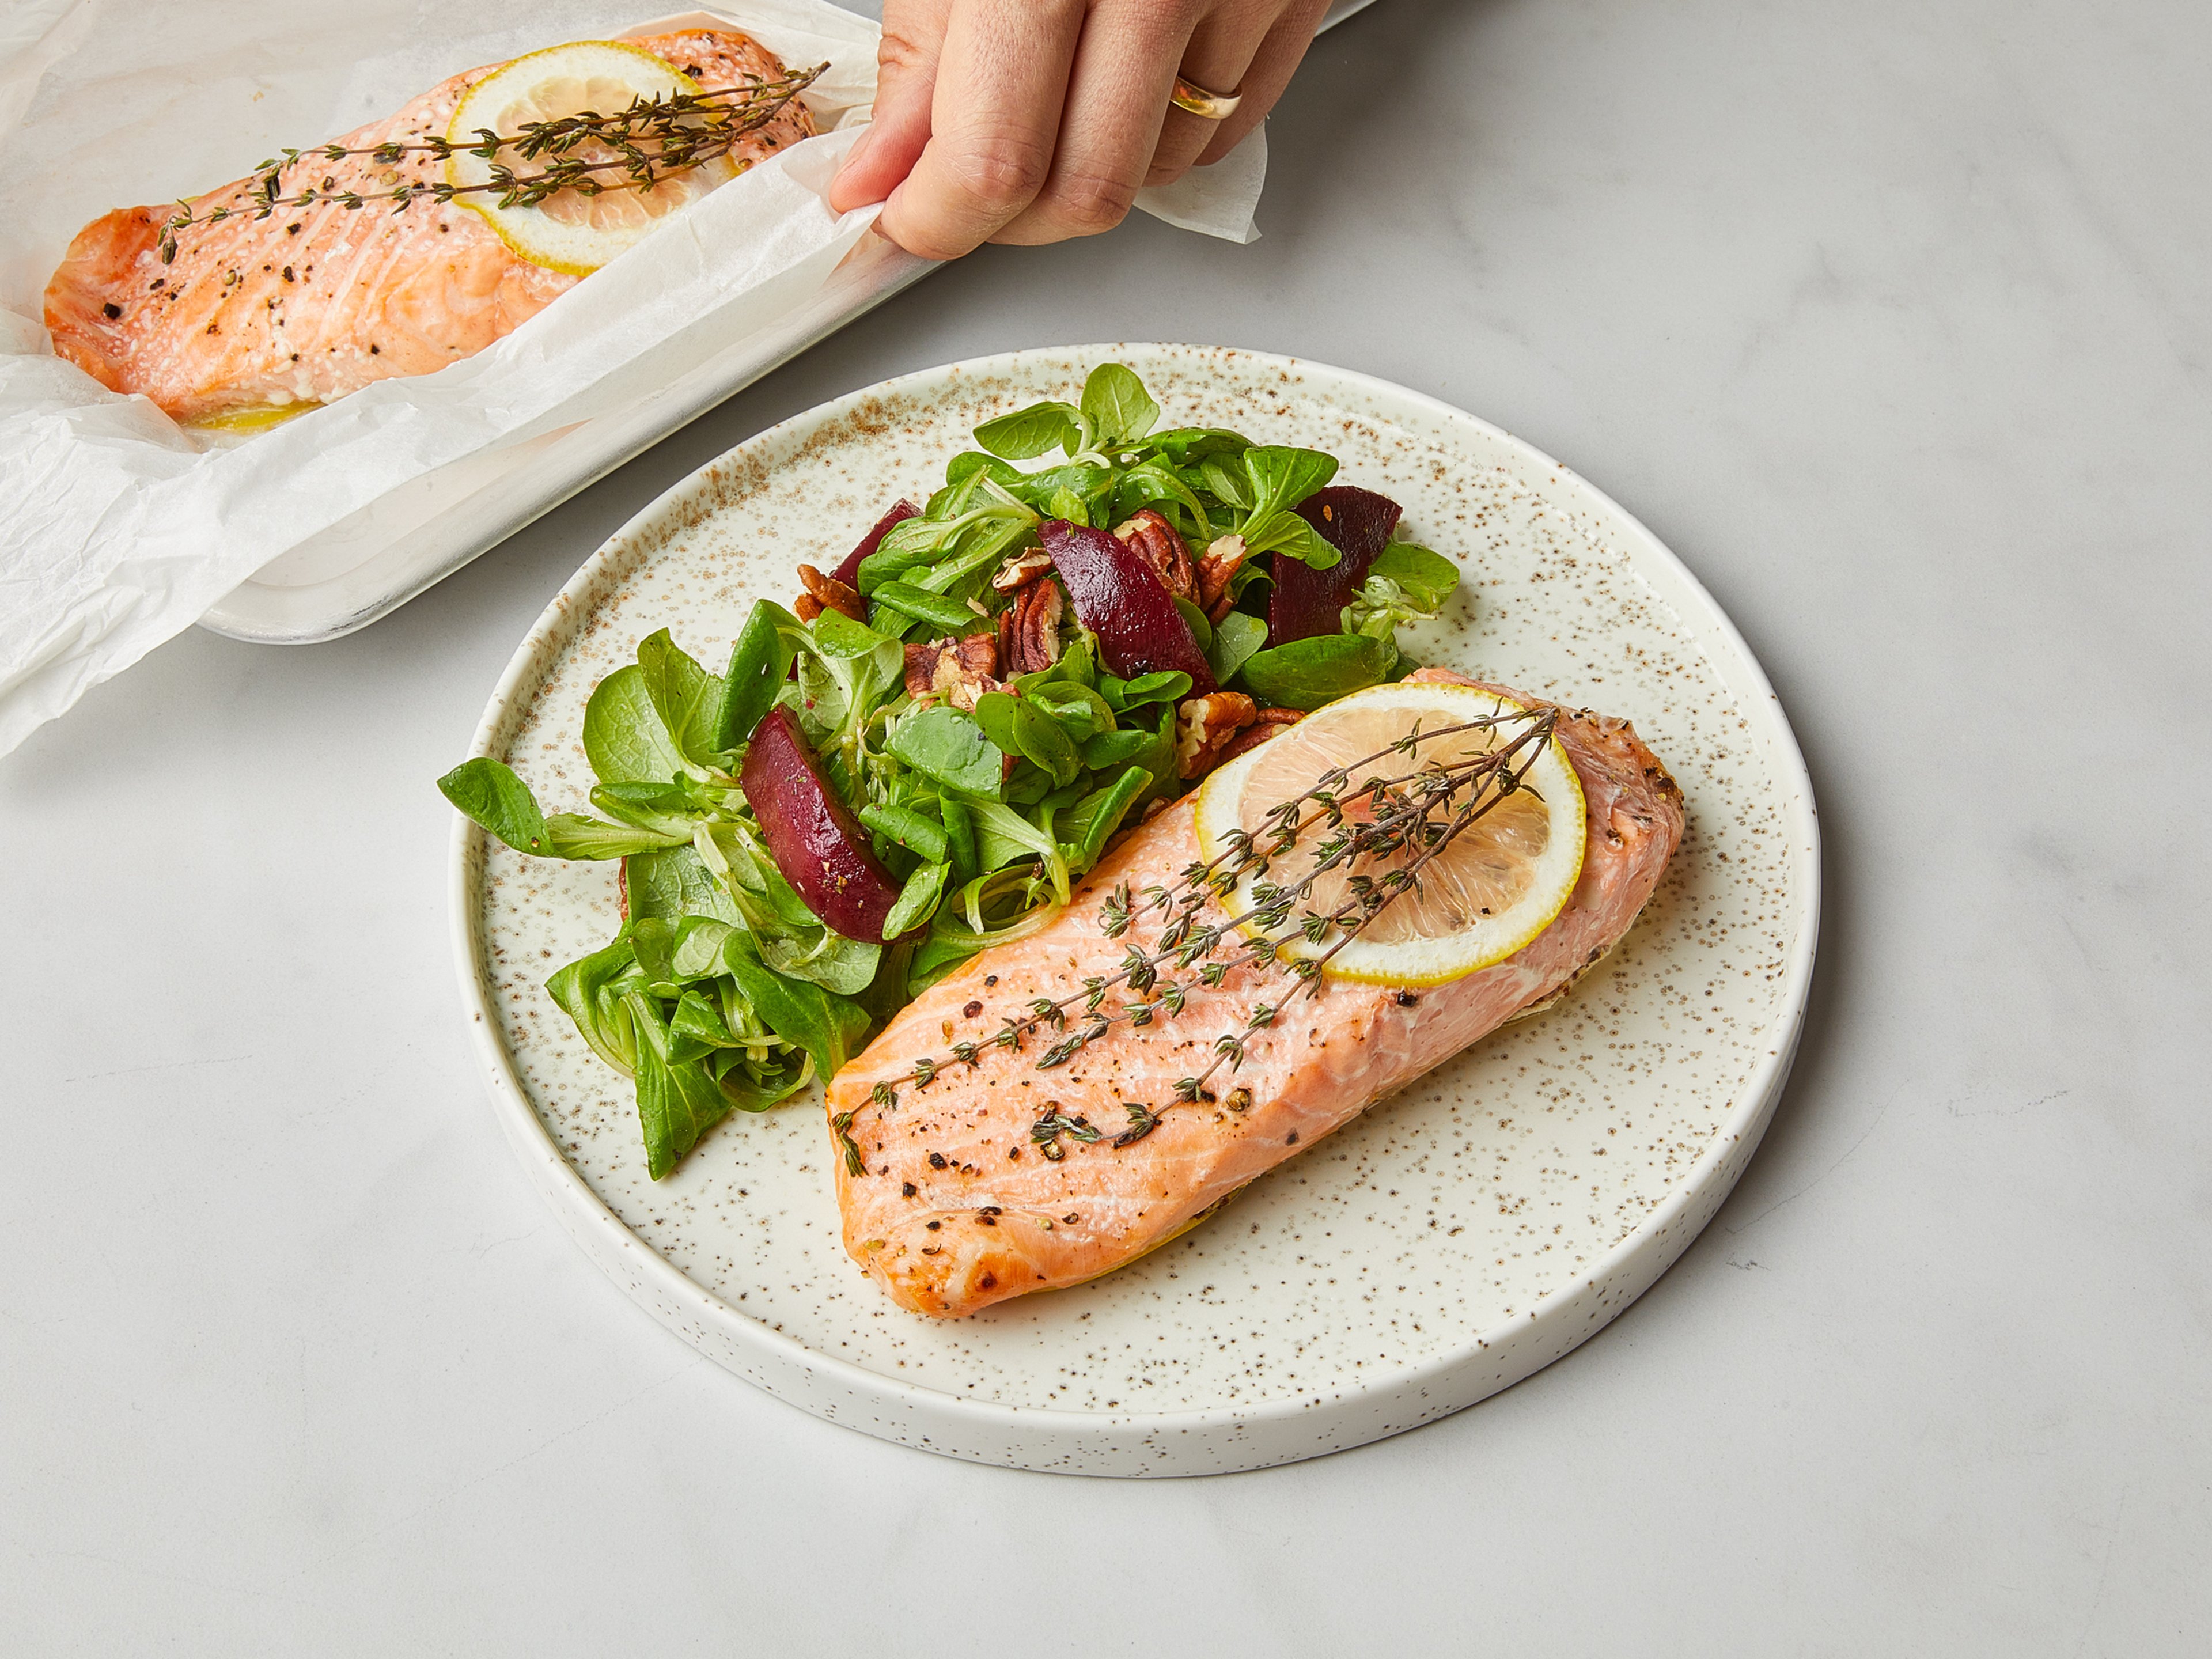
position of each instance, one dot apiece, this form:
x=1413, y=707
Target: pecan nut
x=826, y=593
x=1224, y=556
x=1021, y=569
x=921, y=668
x=1206, y=726
x=1271, y=722
x=1028, y=629
x=956, y=671
x=1163, y=549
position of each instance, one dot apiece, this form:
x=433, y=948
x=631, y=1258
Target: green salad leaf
x=664, y=809
x=925, y=839
x=572, y=836
x=919, y=603
x=623, y=736
x=588, y=992
x=1277, y=479
x=1099, y=813
x=917, y=899
x=678, y=1099
x=1307, y=673
x=1234, y=642
x=1405, y=583
x=1424, y=580
x=1018, y=725
x=827, y=1027
x=1118, y=408
x=950, y=749
x=1028, y=433
x=1162, y=685
x=487, y=792
x=1200, y=630
x=688, y=699
x=760, y=662
x=674, y=882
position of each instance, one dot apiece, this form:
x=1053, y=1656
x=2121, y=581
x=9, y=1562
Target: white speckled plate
x=1454, y=1239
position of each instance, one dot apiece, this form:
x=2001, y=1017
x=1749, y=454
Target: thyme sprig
x=1424, y=809
x=654, y=138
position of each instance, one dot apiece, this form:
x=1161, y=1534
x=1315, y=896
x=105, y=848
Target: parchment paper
x=117, y=530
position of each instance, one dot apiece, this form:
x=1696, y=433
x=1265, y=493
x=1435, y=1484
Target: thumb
x=906, y=81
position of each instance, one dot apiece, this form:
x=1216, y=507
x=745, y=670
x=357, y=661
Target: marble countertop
x=1896, y=323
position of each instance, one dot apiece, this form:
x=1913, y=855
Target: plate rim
x=1734, y=1137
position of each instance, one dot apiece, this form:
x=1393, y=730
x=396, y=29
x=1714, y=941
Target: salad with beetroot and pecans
x=915, y=761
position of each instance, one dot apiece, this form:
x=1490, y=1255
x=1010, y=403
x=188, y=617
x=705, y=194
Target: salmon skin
x=959, y=1208
x=267, y=316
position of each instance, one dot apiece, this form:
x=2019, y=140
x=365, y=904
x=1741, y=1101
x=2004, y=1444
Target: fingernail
x=859, y=149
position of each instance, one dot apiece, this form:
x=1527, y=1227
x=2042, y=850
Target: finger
x=1219, y=59
x=913, y=36
x=1117, y=94
x=1271, y=68
x=994, y=118
x=1257, y=64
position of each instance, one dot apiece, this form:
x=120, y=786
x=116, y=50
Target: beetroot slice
x=1306, y=602
x=1119, y=598
x=849, y=572
x=822, y=852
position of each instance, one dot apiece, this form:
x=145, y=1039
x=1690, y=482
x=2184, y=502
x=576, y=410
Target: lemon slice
x=259, y=417
x=572, y=231
x=1491, y=889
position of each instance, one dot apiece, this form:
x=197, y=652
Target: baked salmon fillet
x=958, y=1208
x=266, y=316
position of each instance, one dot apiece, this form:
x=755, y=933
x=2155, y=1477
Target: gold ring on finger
x=1206, y=106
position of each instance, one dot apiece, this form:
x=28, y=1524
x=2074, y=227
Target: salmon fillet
x=958, y=1209
x=311, y=303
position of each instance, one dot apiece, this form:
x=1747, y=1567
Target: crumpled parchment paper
x=118, y=530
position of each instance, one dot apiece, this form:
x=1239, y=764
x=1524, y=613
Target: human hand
x=1033, y=121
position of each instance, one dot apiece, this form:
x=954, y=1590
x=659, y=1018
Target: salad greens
x=723, y=989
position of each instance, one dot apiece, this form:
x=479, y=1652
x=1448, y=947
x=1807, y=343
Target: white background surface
x=1897, y=326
